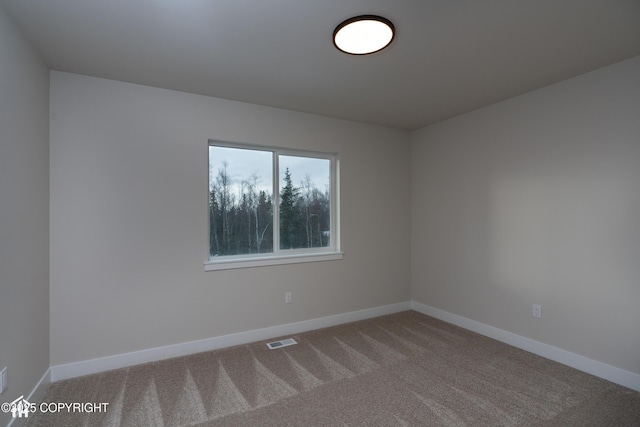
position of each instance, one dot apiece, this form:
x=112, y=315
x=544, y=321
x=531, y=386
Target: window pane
x=305, y=202
x=240, y=201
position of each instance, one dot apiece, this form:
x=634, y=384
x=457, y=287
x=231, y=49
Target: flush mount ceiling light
x=364, y=34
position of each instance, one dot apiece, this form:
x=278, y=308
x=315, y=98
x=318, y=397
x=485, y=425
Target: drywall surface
x=129, y=219
x=24, y=214
x=536, y=200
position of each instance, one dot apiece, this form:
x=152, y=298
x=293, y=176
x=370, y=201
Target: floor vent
x=281, y=343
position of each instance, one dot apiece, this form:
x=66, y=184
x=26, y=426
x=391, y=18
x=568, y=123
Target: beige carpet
x=405, y=369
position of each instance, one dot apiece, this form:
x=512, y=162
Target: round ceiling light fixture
x=363, y=35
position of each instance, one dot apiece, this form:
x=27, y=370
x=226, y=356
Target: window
x=270, y=206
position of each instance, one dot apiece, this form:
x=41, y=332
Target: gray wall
x=537, y=200
x=24, y=214
x=129, y=174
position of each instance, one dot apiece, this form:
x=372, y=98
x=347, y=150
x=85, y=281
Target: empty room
x=294, y=213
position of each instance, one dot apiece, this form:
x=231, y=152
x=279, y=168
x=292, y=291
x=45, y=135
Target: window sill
x=248, y=262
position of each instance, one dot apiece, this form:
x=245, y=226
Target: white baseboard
x=36, y=395
x=590, y=366
x=93, y=366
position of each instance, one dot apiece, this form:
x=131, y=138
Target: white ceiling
x=448, y=57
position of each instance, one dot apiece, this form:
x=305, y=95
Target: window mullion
x=276, y=203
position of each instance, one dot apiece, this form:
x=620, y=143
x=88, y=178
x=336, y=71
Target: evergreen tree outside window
x=267, y=204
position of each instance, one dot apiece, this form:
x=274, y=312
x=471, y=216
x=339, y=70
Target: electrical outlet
x=3, y=379
x=287, y=298
x=537, y=311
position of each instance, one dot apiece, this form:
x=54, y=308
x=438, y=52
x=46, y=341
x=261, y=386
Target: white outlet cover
x=3, y=379
x=537, y=311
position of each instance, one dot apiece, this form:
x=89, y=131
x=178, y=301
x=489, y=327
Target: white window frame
x=284, y=256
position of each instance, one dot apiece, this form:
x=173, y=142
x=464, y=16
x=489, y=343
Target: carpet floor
x=405, y=369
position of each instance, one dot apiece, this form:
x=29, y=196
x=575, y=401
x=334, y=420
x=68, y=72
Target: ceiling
x=448, y=57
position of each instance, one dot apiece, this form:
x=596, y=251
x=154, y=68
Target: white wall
x=24, y=214
x=537, y=200
x=129, y=220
